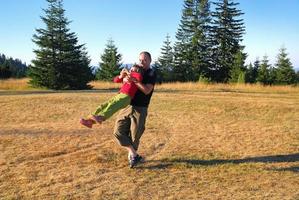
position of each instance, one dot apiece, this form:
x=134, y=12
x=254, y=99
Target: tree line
x=12, y=68
x=207, y=48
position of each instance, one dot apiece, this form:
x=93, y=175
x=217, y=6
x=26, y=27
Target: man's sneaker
x=87, y=122
x=135, y=160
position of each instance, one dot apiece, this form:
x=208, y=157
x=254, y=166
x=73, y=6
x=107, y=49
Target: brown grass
x=201, y=142
x=104, y=85
x=15, y=84
x=256, y=88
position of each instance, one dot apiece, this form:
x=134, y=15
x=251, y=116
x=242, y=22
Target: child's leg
x=94, y=117
x=97, y=119
x=113, y=105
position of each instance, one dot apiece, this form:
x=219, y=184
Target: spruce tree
x=272, y=75
x=238, y=68
x=242, y=77
x=200, y=46
x=2, y=58
x=285, y=74
x=252, y=71
x=182, y=47
x=4, y=70
x=248, y=76
x=256, y=67
x=227, y=32
x=60, y=63
x=191, y=50
x=297, y=77
x=157, y=67
x=111, y=62
x=14, y=67
x=264, y=72
x=165, y=61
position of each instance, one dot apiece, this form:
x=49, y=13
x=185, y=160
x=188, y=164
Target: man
x=130, y=122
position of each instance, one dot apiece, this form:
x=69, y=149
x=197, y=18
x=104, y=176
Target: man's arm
x=145, y=88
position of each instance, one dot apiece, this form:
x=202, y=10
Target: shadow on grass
x=166, y=163
x=291, y=169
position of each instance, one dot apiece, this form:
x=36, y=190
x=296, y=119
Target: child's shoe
x=99, y=119
x=87, y=122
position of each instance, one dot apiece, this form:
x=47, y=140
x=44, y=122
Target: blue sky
x=137, y=25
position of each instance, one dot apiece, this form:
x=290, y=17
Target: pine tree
x=238, y=68
x=110, y=65
x=272, y=75
x=285, y=74
x=14, y=67
x=17, y=68
x=158, y=71
x=165, y=61
x=60, y=62
x=297, y=77
x=248, y=74
x=4, y=70
x=200, y=46
x=182, y=47
x=227, y=32
x=2, y=58
x=191, y=50
x=252, y=71
x=264, y=72
x=242, y=77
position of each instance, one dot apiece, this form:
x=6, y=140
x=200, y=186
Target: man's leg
x=138, y=120
x=131, y=152
x=124, y=135
x=122, y=127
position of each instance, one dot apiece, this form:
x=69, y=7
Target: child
x=121, y=100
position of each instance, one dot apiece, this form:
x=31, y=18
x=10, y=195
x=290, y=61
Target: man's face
x=144, y=61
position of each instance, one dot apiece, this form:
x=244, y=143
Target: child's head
x=136, y=68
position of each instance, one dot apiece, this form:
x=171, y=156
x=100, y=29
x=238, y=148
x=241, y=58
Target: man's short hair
x=147, y=54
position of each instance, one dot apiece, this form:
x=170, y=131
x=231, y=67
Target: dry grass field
x=201, y=142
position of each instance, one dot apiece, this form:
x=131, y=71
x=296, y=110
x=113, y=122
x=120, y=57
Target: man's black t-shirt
x=140, y=99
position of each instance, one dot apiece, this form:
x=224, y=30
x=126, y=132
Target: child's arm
x=118, y=79
x=136, y=76
x=145, y=88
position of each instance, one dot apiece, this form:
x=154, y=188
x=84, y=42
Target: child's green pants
x=113, y=105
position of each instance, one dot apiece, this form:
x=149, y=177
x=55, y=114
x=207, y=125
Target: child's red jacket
x=129, y=88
